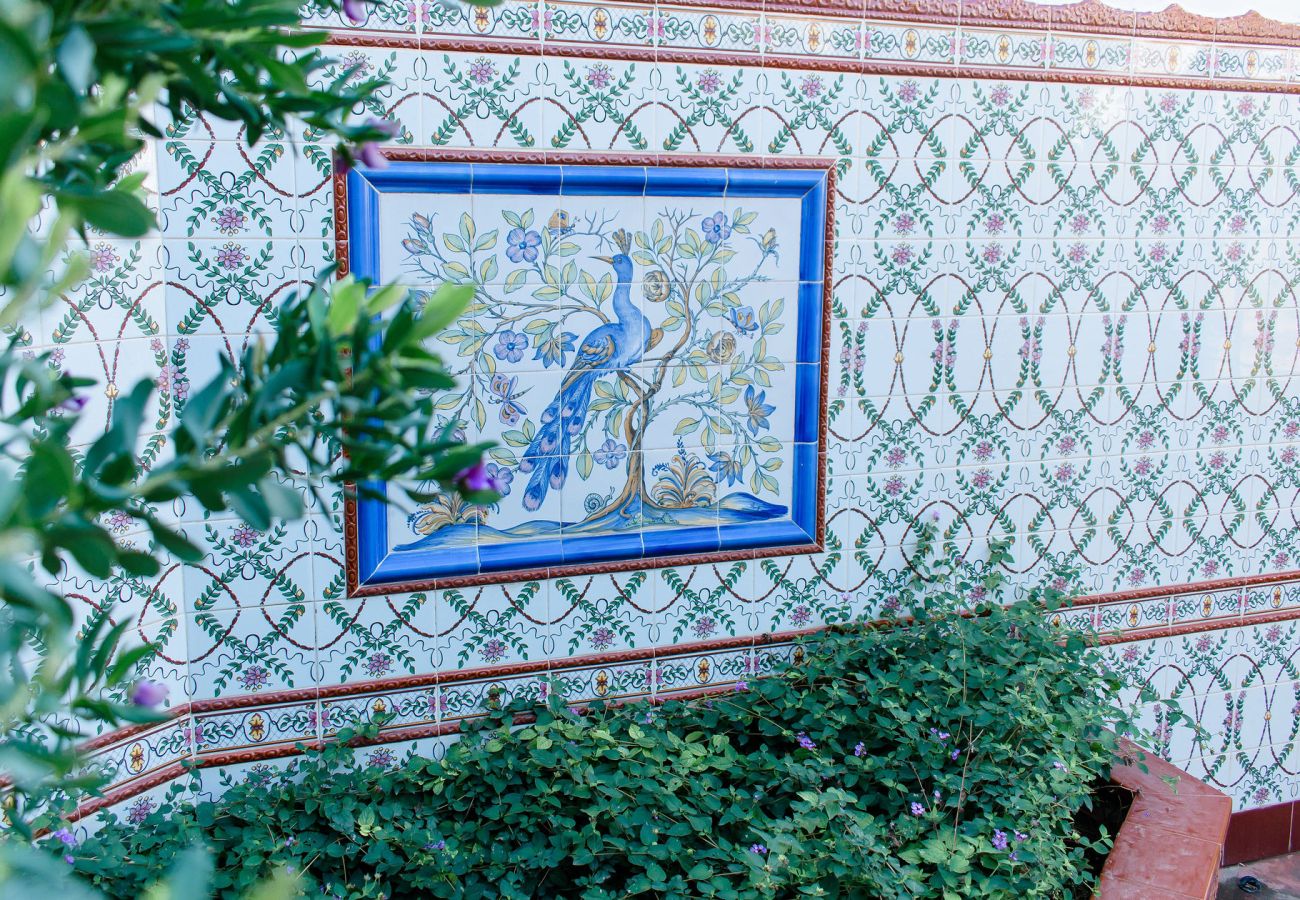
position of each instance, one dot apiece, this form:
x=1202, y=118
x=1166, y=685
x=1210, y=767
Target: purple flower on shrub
x=917, y=809
x=355, y=10
x=999, y=839
x=806, y=742
x=758, y=849
x=742, y=686
x=148, y=693
x=435, y=846
x=476, y=478
x=65, y=837
x=860, y=749
x=521, y=246
x=369, y=155
x=715, y=228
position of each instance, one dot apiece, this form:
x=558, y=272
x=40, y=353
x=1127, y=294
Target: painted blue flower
x=756, y=410
x=551, y=351
x=502, y=476
x=715, y=228
x=510, y=346
x=610, y=454
x=726, y=468
x=522, y=245
x=743, y=318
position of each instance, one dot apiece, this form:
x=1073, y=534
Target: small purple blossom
x=521, y=245
x=510, y=346
x=599, y=76
x=860, y=749
x=355, y=10
x=231, y=256
x=148, y=693
x=715, y=228
x=742, y=686
x=138, y=811
x=476, y=478
x=758, y=850
x=102, y=258
x=482, y=70
x=379, y=665
x=371, y=156
x=254, y=678
x=709, y=82
x=65, y=837
x=610, y=454
x=1000, y=841
x=917, y=809
x=806, y=742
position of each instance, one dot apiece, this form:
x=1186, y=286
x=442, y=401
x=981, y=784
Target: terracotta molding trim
x=463, y=44
x=1196, y=587
x=1089, y=16
x=597, y=158
x=1172, y=838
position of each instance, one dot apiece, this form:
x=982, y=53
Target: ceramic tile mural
x=644, y=349
x=1062, y=307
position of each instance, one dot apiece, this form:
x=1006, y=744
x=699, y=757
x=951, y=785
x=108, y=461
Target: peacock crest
x=623, y=241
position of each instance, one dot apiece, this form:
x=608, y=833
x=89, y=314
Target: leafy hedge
x=945, y=757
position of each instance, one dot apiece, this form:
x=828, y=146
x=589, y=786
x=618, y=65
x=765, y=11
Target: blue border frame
x=378, y=565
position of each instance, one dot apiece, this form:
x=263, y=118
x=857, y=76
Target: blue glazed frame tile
x=701, y=504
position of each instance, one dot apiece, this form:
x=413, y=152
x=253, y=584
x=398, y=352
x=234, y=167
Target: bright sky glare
x=1285, y=10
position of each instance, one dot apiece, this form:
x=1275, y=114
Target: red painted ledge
x=1171, y=842
x=1260, y=833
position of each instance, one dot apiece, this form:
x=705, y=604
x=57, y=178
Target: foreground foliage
x=946, y=757
x=84, y=82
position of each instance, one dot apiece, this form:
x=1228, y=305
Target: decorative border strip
x=1229, y=54
x=351, y=529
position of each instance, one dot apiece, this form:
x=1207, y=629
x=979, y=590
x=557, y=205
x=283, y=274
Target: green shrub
x=943, y=757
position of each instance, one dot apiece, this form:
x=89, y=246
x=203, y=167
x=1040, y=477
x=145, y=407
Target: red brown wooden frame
x=580, y=158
